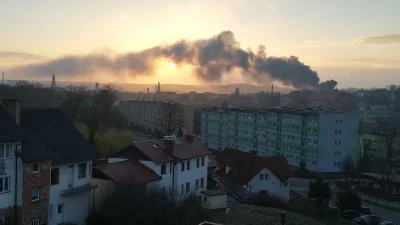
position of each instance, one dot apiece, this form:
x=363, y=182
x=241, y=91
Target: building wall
x=300, y=137
x=182, y=177
x=374, y=146
x=338, y=134
x=273, y=185
x=76, y=207
x=7, y=199
x=214, y=202
x=103, y=187
x=33, y=209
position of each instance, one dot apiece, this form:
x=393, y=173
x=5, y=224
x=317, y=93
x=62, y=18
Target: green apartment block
x=319, y=139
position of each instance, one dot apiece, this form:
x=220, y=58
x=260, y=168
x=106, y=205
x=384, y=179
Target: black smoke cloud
x=212, y=59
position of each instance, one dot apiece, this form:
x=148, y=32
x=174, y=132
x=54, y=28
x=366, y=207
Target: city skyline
x=352, y=42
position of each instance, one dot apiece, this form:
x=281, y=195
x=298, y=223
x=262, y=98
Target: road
x=301, y=186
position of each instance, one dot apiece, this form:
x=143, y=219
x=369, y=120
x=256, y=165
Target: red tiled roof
x=187, y=150
x=128, y=171
x=243, y=173
x=154, y=152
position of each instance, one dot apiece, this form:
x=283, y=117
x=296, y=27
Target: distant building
x=374, y=145
x=237, y=91
x=320, y=140
x=373, y=119
x=53, y=82
x=147, y=114
x=158, y=88
x=96, y=87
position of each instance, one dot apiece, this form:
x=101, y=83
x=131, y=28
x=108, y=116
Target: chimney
x=169, y=146
x=227, y=168
x=12, y=107
x=189, y=138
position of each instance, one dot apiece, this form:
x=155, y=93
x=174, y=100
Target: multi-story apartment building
x=152, y=115
x=47, y=175
x=319, y=140
x=374, y=119
x=181, y=163
x=374, y=145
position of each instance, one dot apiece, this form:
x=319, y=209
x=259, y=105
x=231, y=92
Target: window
x=5, y=151
x=90, y=169
x=50, y=211
x=198, y=162
x=60, y=208
x=82, y=170
x=55, y=173
x=187, y=187
x=205, y=198
x=4, y=184
x=182, y=166
x=261, y=176
x=182, y=188
x=188, y=165
x=197, y=183
x=35, y=194
x=35, y=167
x=202, y=182
x=163, y=169
x=266, y=177
x=35, y=221
x=202, y=161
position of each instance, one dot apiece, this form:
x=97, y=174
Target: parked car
x=386, y=223
x=365, y=210
x=351, y=214
x=372, y=220
x=360, y=219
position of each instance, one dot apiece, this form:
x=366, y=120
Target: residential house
x=122, y=172
x=52, y=164
x=182, y=163
x=10, y=141
x=244, y=173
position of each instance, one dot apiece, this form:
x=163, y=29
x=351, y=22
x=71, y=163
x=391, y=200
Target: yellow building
x=374, y=145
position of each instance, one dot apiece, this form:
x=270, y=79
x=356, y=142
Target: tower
x=53, y=81
x=237, y=91
x=158, y=87
x=96, y=87
x=272, y=89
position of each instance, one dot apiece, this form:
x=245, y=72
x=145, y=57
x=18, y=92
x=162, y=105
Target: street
x=301, y=186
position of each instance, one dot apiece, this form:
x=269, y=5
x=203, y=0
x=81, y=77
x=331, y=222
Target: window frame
x=202, y=161
x=60, y=206
x=188, y=165
x=6, y=150
x=3, y=181
x=58, y=175
x=38, y=194
x=163, y=169
x=202, y=182
x=182, y=166
x=38, y=167
x=79, y=171
x=187, y=187
x=35, y=221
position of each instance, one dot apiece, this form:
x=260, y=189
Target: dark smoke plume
x=212, y=58
x=327, y=85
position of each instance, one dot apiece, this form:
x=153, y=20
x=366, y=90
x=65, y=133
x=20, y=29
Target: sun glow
x=172, y=65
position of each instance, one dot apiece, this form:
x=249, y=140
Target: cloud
x=212, y=59
x=383, y=39
x=359, y=41
x=21, y=56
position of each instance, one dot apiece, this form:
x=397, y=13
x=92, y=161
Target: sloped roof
x=154, y=150
x=9, y=130
x=128, y=172
x=243, y=172
x=50, y=130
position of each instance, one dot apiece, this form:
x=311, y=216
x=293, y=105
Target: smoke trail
x=213, y=58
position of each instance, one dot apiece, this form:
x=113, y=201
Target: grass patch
x=255, y=215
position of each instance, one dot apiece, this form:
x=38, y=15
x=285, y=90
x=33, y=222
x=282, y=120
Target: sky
x=354, y=42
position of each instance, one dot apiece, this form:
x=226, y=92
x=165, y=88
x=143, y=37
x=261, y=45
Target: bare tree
x=388, y=131
x=349, y=167
x=73, y=98
x=170, y=117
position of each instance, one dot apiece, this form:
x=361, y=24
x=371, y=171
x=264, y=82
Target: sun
x=172, y=65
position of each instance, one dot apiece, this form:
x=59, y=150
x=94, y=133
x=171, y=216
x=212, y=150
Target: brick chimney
x=12, y=107
x=189, y=138
x=169, y=146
